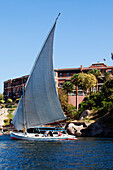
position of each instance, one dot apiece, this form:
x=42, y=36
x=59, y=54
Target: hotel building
x=13, y=87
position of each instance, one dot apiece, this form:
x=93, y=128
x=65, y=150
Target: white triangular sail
x=41, y=102
x=18, y=118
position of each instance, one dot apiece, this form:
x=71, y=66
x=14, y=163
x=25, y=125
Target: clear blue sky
x=84, y=33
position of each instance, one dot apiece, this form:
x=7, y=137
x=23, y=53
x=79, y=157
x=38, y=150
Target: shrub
x=1, y=96
x=6, y=121
x=10, y=110
x=14, y=106
x=17, y=100
x=10, y=116
x=107, y=105
x=9, y=100
x=3, y=106
x=9, y=106
x=2, y=101
x=72, y=112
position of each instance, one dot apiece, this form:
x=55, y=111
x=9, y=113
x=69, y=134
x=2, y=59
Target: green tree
x=68, y=87
x=9, y=100
x=63, y=99
x=107, y=90
x=107, y=76
x=69, y=109
x=1, y=96
x=101, y=102
x=97, y=74
x=2, y=101
x=87, y=81
x=75, y=80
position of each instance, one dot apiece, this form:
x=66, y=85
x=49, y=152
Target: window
x=55, y=74
x=97, y=65
x=14, y=90
x=110, y=71
x=20, y=82
x=60, y=75
x=5, y=85
x=9, y=93
x=25, y=79
x=60, y=84
x=18, y=89
x=68, y=74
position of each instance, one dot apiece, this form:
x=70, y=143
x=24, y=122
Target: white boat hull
x=40, y=137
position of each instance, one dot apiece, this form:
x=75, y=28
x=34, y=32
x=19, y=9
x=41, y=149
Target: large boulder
x=103, y=127
x=95, y=129
x=85, y=114
x=75, y=128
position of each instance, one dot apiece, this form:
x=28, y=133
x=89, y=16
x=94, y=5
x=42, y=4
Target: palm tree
x=67, y=86
x=75, y=81
x=97, y=73
x=87, y=81
x=107, y=76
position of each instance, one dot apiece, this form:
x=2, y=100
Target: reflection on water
x=85, y=153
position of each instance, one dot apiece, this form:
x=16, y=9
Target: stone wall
x=72, y=99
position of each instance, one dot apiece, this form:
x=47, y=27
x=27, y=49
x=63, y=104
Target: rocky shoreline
x=103, y=127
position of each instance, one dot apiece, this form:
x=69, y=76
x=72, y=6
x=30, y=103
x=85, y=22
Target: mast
x=24, y=111
x=57, y=17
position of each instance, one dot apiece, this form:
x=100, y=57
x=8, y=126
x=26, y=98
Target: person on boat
x=46, y=133
x=23, y=130
x=50, y=133
x=59, y=133
x=1, y=131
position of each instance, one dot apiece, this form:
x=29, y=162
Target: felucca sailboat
x=39, y=104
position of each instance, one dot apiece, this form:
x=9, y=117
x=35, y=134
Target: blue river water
x=84, y=153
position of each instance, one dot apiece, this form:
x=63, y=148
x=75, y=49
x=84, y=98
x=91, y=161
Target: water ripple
x=85, y=153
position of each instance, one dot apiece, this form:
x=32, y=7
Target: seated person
x=59, y=133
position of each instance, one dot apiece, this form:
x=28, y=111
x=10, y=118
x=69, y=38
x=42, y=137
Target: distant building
x=65, y=74
x=13, y=88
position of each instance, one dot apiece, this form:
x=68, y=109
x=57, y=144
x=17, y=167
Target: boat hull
x=41, y=137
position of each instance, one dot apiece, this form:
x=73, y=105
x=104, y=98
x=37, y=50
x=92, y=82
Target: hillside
x=103, y=127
